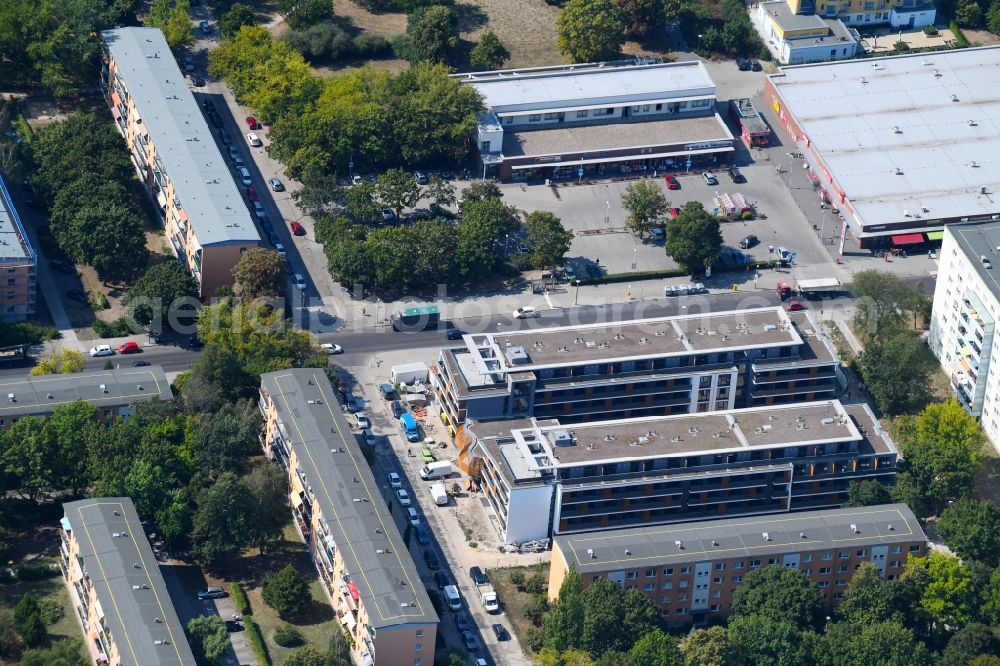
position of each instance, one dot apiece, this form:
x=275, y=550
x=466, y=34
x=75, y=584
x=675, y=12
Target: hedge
x=240, y=599
x=960, y=41
x=256, y=641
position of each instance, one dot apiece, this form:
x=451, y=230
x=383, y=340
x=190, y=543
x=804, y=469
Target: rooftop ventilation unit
x=104, y=388
x=679, y=544
x=767, y=537
x=10, y=396
x=896, y=130
x=854, y=528
x=590, y=553
x=891, y=528
x=802, y=535
x=954, y=98
x=628, y=552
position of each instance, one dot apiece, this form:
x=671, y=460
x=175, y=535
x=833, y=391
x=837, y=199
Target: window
x=737, y=579
x=717, y=581
x=668, y=586
x=534, y=118
x=754, y=564
x=683, y=584
x=665, y=599
x=842, y=568
x=841, y=583
x=682, y=596
x=737, y=565
x=685, y=570
x=668, y=572
x=862, y=553
x=682, y=611
x=827, y=556
x=632, y=575
x=721, y=566
x=717, y=594
x=806, y=559
x=649, y=587
x=645, y=108
x=107, y=412
x=552, y=116
x=650, y=573
x=915, y=548
x=838, y=595
x=420, y=633
x=714, y=608
x=582, y=114
x=843, y=554
x=892, y=565
x=419, y=647
x=896, y=550
x=417, y=662
x=808, y=572
x=823, y=584
x=635, y=109
x=659, y=107
x=772, y=560
x=824, y=571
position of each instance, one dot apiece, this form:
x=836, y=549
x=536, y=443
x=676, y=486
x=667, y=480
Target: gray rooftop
x=740, y=537
x=15, y=248
x=574, y=138
x=104, y=388
x=184, y=143
x=933, y=116
x=118, y=559
x=980, y=239
x=349, y=498
x=786, y=19
x=540, y=88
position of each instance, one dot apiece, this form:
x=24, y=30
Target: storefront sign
x=549, y=158
x=706, y=145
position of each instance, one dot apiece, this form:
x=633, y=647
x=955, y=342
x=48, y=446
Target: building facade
x=857, y=13
x=548, y=478
x=918, y=162
x=18, y=261
x=584, y=120
x=207, y=223
x=643, y=367
x=964, y=317
x=796, y=38
x=116, y=588
x=365, y=567
x=691, y=571
x=113, y=392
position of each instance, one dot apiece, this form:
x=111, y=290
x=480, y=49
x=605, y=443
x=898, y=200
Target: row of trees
x=722, y=26
x=973, y=13
x=81, y=167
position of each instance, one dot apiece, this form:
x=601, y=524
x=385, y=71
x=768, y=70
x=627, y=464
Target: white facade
x=912, y=18
x=963, y=322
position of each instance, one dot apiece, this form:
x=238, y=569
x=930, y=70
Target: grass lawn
x=48, y=588
x=512, y=600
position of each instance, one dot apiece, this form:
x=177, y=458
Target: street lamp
x=699, y=41
x=576, y=297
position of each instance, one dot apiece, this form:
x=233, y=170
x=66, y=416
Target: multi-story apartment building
x=207, y=223
x=691, y=571
x=116, y=588
x=112, y=392
x=365, y=567
x=543, y=477
x=964, y=318
x=861, y=13
x=642, y=367
x=18, y=262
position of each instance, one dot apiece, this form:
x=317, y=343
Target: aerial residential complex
x=18, y=261
x=112, y=392
x=900, y=146
x=116, y=588
x=964, y=318
x=643, y=367
x=365, y=567
x=797, y=38
x=578, y=120
x=542, y=478
x=864, y=13
x=208, y=225
x=691, y=571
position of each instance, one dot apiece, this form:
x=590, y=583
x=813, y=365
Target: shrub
x=32, y=630
x=537, y=584
x=901, y=46
x=288, y=636
x=240, y=599
x=534, y=637
x=930, y=31
x=50, y=611
x=371, y=46
x=35, y=571
x=118, y=328
x=960, y=40
x=286, y=591
x=256, y=642
x=517, y=579
x=535, y=608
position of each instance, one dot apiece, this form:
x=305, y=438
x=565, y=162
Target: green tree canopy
x=174, y=19
x=489, y=52
x=971, y=528
x=300, y=14
x=260, y=273
x=221, y=525
x=758, y=639
x=307, y=656
x=398, y=190
x=479, y=191
x=66, y=652
x=432, y=34
x=642, y=17
x=897, y=372
x=267, y=488
x=708, y=647
x=209, y=640
x=694, y=239
x=165, y=285
x=286, y=591
x=868, y=492
x=882, y=301
x=235, y=18
x=866, y=600
x=883, y=643
x=968, y=643
x=563, y=624
x=782, y=595
x=591, y=30
x=655, y=647
x=62, y=362
x=29, y=458
x=548, y=239
x=646, y=205
x=947, y=596
x=606, y=605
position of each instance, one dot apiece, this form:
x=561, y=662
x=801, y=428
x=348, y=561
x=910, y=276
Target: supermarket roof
x=200, y=176
x=104, y=388
x=909, y=136
x=123, y=570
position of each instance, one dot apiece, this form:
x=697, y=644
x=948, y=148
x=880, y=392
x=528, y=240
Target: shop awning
x=908, y=239
x=935, y=235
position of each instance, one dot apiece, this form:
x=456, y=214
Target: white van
x=245, y=177
x=453, y=598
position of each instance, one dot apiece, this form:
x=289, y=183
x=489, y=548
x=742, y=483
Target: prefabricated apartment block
x=19, y=263
x=691, y=571
x=116, y=588
x=365, y=567
x=544, y=478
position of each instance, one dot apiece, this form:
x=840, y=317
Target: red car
x=674, y=212
x=129, y=347
x=252, y=194
x=671, y=182
x=252, y=122
x=298, y=229
x=795, y=306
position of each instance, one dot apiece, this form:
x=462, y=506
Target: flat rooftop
x=123, y=570
x=933, y=116
x=103, y=388
x=510, y=90
x=980, y=239
x=740, y=537
x=786, y=19
x=184, y=143
x=349, y=498
x=645, y=338
x=574, y=138
x=15, y=248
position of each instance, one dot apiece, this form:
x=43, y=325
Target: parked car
x=755, y=65
x=431, y=558
x=362, y=420
x=441, y=579
x=297, y=229
x=254, y=140
x=208, y=104
x=404, y=497
x=388, y=215
x=525, y=312
x=454, y=334
x=397, y=409
x=215, y=119
x=252, y=194
x=795, y=306
x=674, y=212
x=743, y=64
x=710, y=178
x=188, y=64
x=671, y=181
x=501, y=632
x=300, y=281
x=198, y=82
x=129, y=347
x=657, y=233
x=736, y=176
x=420, y=177
x=387, y=391
x=245, y=176
x=423, y=536
x=258, y=209
x=469, y=638
x=276, y=185
x=477, y=576
x=413, y=516
x=102, y=350
x=234, y=153
x=748, y=242
x=252, y=123
x=141, y=364
x=446, y=175
x=395, y=481
x=233, y=625
x=206, y=28
x=224, y=137
x=211, y=593
x=331, y=348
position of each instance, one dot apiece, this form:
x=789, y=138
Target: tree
x=432, y=34
x=361, y=203
x=591, y=30
x=868, y=492
x=301, y=14
x=655, y=647
x=971, y=528
x=489, y=53
x=287, y=591
x=62, y=362
x=968, y=14
x=606, y=605
x=642, y=17
x=480, y=191
x=763, y=640
x=67, y=652
x=563, y=624
x=548, y=239
x=694, y=239
x=163, y=286
x=28, y=456
x=948, y=593
x=440, y=192
x=897, y=372
x=221, y=524
x=884, y=643
x=968, y=643
x=708, y=647
x=208, y=638
x=491, y=218
x=993, y=19
x=238, y=16
x=260, y=273
x=781, y=595
x=174, y=19
x=338, y=652
x=882, y=301
x=306, y=656
x=223, y=439
x=397, y=189
x=866, y=600
x=267, y=496
x=28, y=619
x=319, y=195
x=646, y=206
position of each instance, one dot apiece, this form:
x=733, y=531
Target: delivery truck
x=439, y=494
x=817, y=288
x=435, y=470
x=488, y=597
x=409, y=425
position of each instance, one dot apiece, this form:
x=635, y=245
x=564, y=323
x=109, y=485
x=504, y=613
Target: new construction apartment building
x=116, y=589
x=363, y=562
x=691, y=571
x=18, y=261
x=543, y=477
x=635, y=368
x=207, y=224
